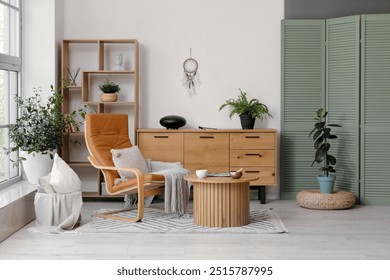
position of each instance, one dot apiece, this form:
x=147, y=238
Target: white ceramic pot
x=36, y=165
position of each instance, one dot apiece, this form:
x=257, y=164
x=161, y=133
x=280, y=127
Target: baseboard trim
x=16, y=215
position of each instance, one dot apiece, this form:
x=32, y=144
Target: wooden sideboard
x=221, y=150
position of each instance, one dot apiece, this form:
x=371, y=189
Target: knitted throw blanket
x=177, y=190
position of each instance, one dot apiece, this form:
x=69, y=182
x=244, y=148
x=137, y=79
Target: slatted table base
x=221, y=204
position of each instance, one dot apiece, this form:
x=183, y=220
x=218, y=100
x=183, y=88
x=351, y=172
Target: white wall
x=39, y=48
x=236, y=43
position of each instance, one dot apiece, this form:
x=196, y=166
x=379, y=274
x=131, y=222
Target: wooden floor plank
x=362, y=232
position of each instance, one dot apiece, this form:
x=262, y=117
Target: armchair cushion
x=129, y=157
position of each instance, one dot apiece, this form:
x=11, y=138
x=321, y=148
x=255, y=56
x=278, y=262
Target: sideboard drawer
x=213, y=141
x=161, y=146
x=252, y=157
x=266, y=174
x=206, y=151
x=252, y=140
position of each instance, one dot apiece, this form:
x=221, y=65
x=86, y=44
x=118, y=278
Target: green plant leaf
x=311, y=132
x=319, y=125
x=334, y=125
x=318, y=142
x=317, y=134
x=332, y=160
x=320, y=112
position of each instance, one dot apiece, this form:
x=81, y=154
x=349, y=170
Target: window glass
x=10, y=65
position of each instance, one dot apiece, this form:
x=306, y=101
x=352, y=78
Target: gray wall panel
x=323, y=9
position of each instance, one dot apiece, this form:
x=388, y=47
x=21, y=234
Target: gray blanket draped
x=177, y=190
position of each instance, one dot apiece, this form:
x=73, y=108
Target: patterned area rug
x=261, y=221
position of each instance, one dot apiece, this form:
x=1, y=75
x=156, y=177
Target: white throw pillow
x=63, y=178
x=129, y=157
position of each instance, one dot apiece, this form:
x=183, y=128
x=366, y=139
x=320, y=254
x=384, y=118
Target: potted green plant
x=37, y=133
x=321, y=135
x=110, y=91
x=248, y=110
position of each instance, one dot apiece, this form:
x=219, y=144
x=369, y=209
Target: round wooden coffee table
x=221, y=201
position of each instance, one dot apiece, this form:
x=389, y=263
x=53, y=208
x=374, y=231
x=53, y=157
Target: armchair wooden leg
x=109, y=215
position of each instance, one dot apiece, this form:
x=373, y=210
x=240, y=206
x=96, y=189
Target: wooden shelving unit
x=100, y=52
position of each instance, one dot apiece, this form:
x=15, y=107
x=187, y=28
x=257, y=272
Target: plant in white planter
x=37, y=132
x=321, y=136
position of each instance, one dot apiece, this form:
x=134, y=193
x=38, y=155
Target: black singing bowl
x=173, y=122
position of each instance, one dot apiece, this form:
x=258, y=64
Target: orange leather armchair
x=104, y=132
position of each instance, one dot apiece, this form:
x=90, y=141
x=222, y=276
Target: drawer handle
x=161, y=136
x=209, y=137
x=257, y=155
x=252, y=171
x=249, y=136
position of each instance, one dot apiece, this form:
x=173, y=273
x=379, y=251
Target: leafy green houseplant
x=109, y=87
x=322, y=134
x=38, y=131
x=248, y=110
x=110, y=90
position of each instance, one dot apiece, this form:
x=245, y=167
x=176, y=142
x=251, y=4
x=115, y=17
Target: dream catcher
x=191, y=75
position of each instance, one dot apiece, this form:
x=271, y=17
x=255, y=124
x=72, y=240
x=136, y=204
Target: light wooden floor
x=362, y=232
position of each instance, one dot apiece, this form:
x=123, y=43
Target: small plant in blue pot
x=321, y=136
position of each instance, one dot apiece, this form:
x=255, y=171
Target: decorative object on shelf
x=110, y=91
x=173, y=122
x=247, y=110
x=37, y=133
x=119, y=63
x=73, y=76
x=191, y=75
x=321, y=137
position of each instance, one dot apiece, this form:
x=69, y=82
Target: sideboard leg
x=262, y=194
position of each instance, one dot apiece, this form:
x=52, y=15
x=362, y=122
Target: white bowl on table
x=201, y=173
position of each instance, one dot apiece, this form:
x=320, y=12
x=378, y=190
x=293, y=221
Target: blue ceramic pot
x=326, y=183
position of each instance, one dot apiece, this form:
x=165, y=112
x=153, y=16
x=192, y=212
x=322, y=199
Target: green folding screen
x=303, y=87
x=342, y=97
x=342, y=64
x=375, y=121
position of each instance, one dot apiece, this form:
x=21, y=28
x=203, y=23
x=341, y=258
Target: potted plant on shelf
x=321, y=136
x=37, y=133
x=248, y=110
x=110, y=91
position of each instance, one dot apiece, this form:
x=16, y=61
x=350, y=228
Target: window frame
x=13, y=63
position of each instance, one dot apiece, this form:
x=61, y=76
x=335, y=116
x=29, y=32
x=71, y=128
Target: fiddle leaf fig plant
x=322, y=133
